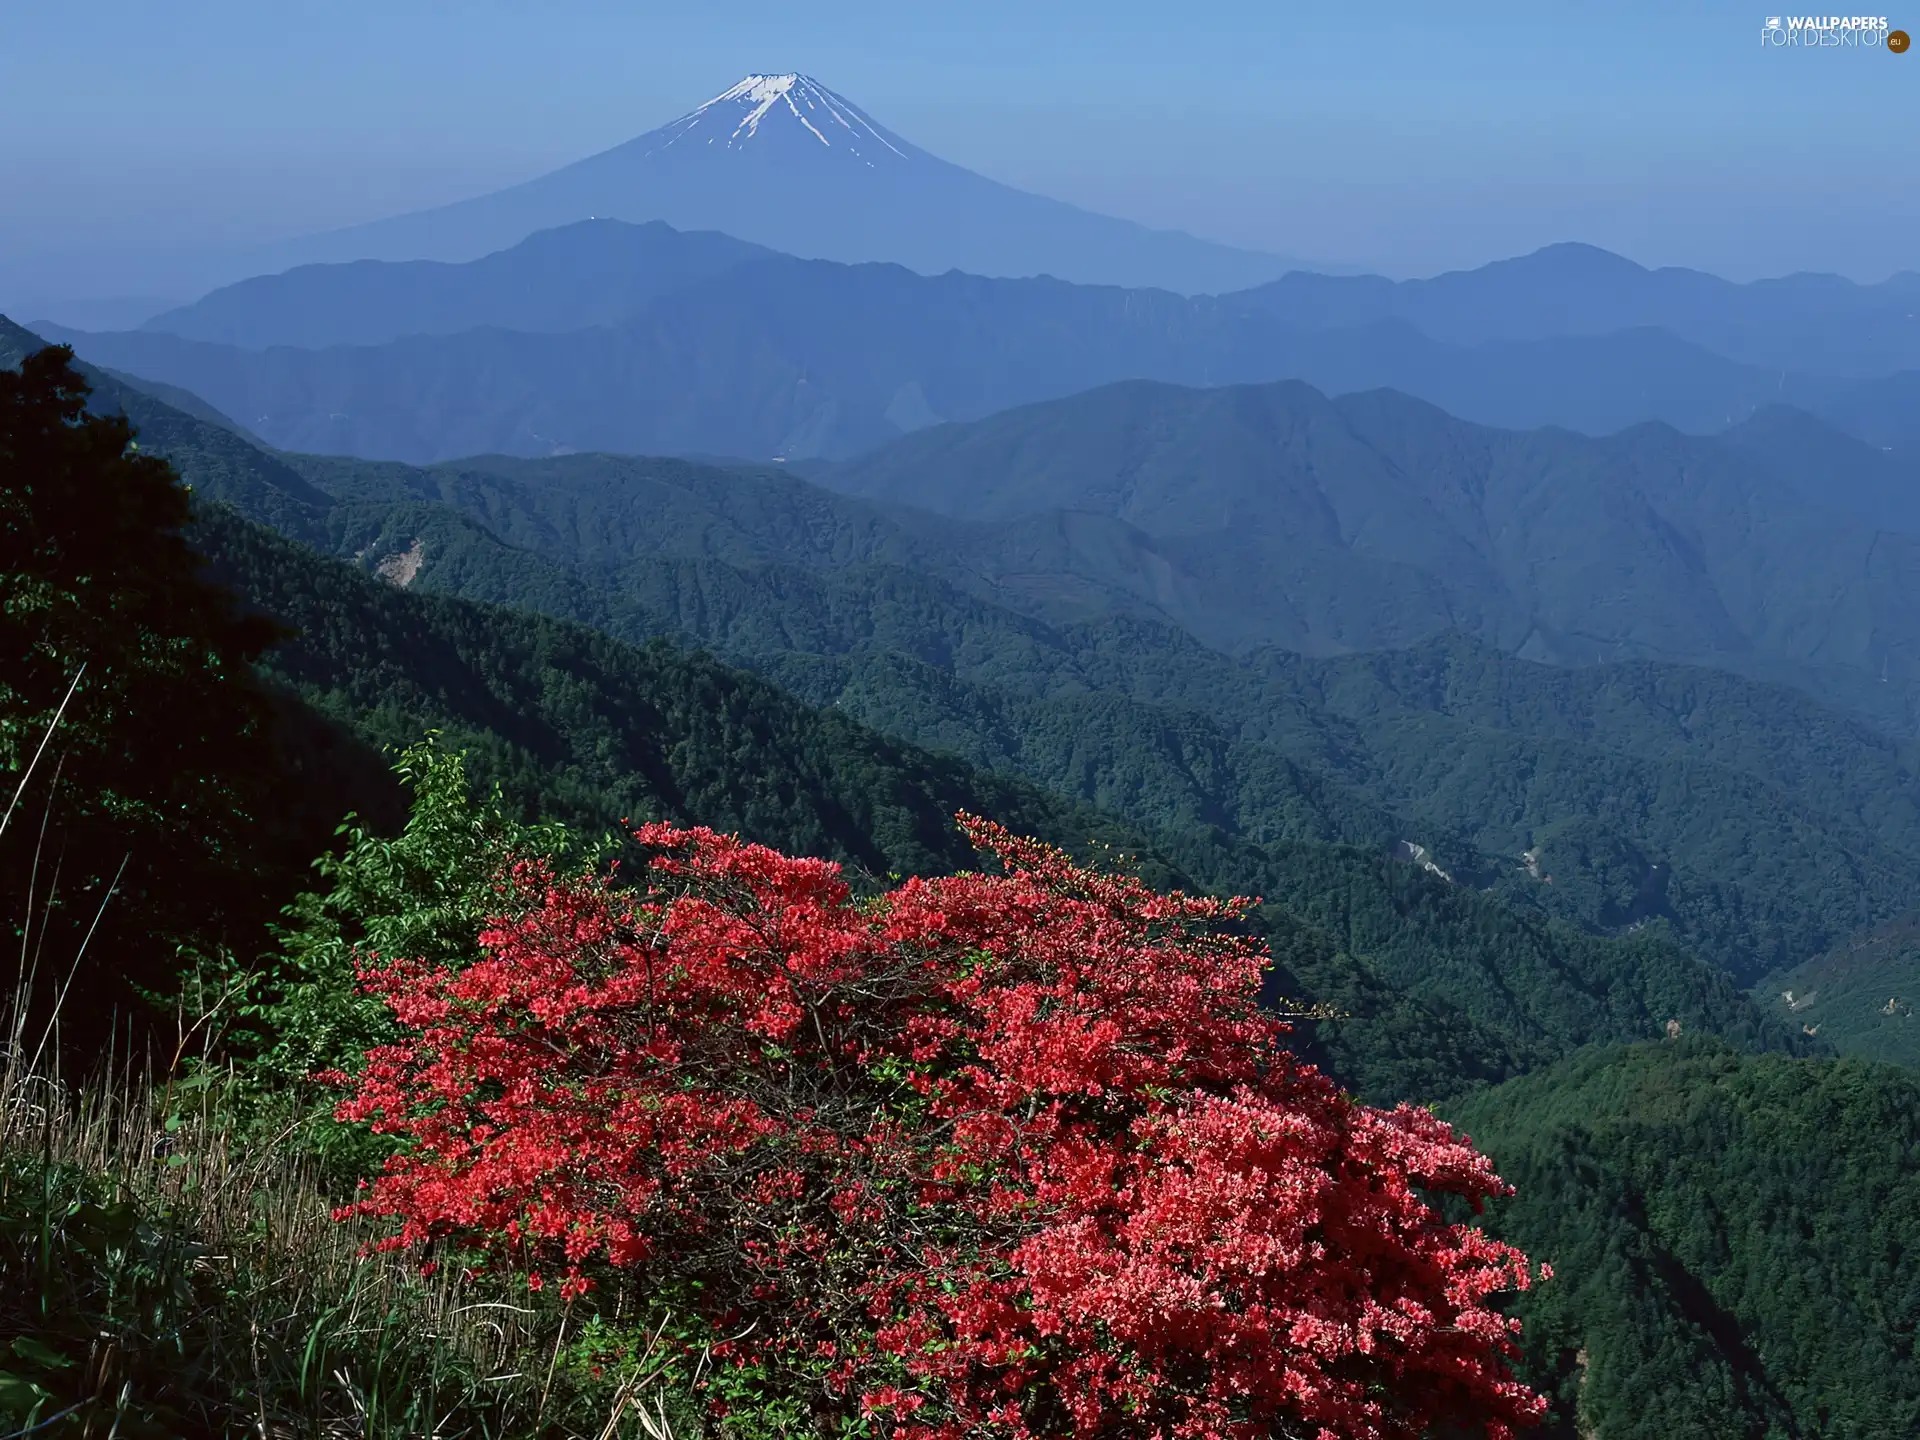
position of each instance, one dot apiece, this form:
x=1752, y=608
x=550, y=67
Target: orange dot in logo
x=1897, y=41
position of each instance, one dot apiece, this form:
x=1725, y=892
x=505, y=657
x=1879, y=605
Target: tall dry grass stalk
x=293, y=1316
x=178, y=1273
x=272, y=1281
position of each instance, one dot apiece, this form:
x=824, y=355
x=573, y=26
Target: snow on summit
x=781, y=161
x=793, y=104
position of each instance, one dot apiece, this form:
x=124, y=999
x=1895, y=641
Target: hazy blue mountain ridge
x=591, y=273
x=1805, y=323
x=601, y=336
x=1274, y=515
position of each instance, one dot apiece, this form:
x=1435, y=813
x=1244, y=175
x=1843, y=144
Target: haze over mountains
x=1273, y=515
x=783, y=161
x=512, y=324
x=1538, y=641
x=1823, y=324
x=1175, y=457
x=1534, y=742
x=581, y=275
x=605, y=336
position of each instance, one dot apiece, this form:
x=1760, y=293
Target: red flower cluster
x=1011, y=1154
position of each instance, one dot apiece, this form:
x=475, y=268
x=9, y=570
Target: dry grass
x=167, y=1270
x=163, y=1230
x=186, y=1279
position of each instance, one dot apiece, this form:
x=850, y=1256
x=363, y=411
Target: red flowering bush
x=1011, y=1154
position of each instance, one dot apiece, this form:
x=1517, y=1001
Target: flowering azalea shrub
x=1011, y=1154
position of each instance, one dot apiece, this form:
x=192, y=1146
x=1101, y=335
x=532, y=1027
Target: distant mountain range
x=783, y=161
x=643, y=339
x=597, y=272
x=1822, y=324
x=1046, y=637
x=1271, y=514
x=591, y=273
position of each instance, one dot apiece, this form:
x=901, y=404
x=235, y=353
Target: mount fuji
x=782, y=161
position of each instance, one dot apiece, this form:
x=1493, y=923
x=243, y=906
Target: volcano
x=782, y=161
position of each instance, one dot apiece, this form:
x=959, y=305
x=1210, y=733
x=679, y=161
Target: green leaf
x=20, y=1399
x=39, y=1353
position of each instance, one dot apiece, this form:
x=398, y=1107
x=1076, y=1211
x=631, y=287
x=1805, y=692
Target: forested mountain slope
x=1273, y=514
x=1730, y=1237
x=1760, y=824
x=584, y=727
x=1858, y=997
x=580, y=722
x=1760, y=827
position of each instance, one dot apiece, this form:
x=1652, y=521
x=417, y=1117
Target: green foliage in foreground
x=134, y=734
x=1732, y=1237
x=425, y=893
x=164, y=1275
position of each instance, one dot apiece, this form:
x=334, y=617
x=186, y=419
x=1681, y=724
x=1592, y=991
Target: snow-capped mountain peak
x=809, y=110
x=779, y=160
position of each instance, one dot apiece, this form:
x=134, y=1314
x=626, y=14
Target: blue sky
x=1409, y=137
